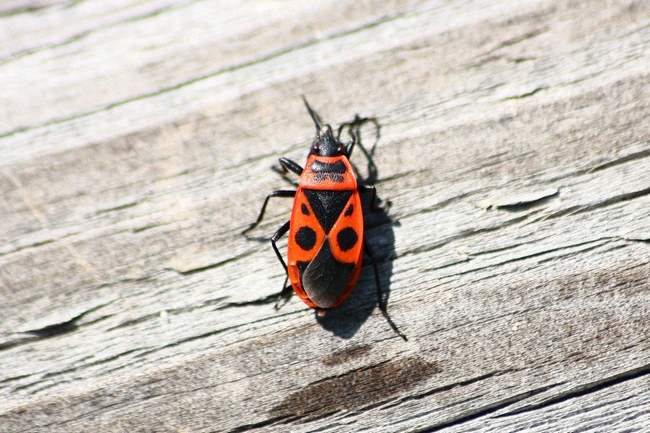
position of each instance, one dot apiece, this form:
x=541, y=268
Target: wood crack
x=585, y=389
x=574, y=210
x=190, y=270
x=53, y=329
x=487, y=409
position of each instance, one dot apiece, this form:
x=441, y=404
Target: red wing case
x=325, y=245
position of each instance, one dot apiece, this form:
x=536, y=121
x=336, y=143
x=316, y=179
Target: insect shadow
x=346, y=320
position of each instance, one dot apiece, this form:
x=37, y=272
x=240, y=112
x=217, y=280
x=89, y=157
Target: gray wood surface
x=136, y=140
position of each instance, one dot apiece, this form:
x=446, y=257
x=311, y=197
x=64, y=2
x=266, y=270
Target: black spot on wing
x=306, y=238
x=327, y=205
x=325, y=278
x=347, y=238
x=304, y=209
x=349, y=210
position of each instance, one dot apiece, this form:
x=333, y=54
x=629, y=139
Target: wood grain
x=513, y=164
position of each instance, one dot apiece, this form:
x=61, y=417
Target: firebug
x=326, y=230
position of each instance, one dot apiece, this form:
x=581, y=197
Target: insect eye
x=316, y=147
x=340, y=149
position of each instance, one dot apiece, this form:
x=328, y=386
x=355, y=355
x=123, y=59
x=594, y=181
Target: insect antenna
x=314, y=115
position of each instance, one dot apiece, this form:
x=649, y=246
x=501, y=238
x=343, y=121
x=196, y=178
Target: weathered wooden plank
x=137, y=139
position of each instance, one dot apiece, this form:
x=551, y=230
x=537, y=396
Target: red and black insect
x=326, y=234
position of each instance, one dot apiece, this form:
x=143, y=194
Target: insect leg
x=291, y=166
x=286, y=166
x=380, y=297
x=278, y=193
x=287, y=290
x=281, y=232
